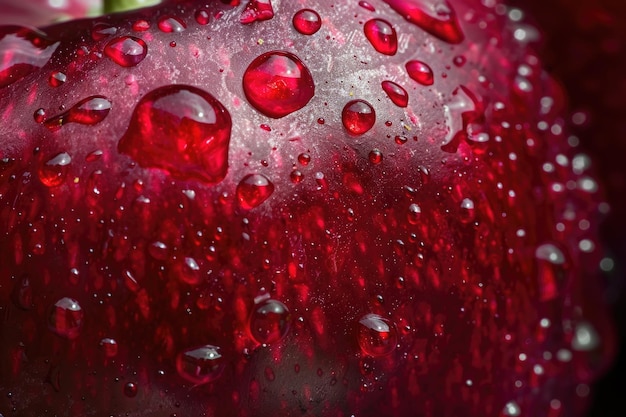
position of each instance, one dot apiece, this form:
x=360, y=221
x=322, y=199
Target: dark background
x=584, y=46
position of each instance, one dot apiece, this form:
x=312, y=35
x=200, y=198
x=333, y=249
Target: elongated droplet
x=181, y=129
x=382, y=36
x=436, y=17
x=420, y=72
x=126, y=51
x=88, y=111
x=396, y=93
x=171, y=24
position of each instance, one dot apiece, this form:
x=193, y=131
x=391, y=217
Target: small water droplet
x=436, y=17
x=181, y=129
x=468, y=211
x=66, y=318
x=88, y=111
x=396, y=93
x=358, y=116
x=57, y=78
x=22, y=51
x=511, y=409
x=415, y=213
x=126, y=51
x=39, y=115
x=278, y=83
x=296, y=176
x=253, y=190
x=304, y=159
x=141, y=25
x=171, y=24
x=367, y=6
x=130, y=389
x=459, y=60
x=188, y=271
x=102, y=30
x=52, y=172
x=375, y=156
x=200, y=365
x=257, y=11
x=202, y=17
x=109, y=347
x=269, y=321
x=552, y=270
x=420, y=72
x=400, y=139
x=377, y=336
x=307, y=21
x=159, y=251
x=382, y=36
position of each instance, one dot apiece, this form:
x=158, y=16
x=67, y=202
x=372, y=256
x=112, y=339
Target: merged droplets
x=358, y=116
x=382, y=36
x=307, y=21
x=396, y=93
x=181, y=129
x=88, y=111
x=52, y=172
x=270, y=320
x=200, y=365
x=256, y=11
x=66, y=318
x=377, y=336
x=22, y=51
x=126, y=51
x=420, y=72
x=253, y=190
x=170, y=24
x=278, y=83
x=436, y=17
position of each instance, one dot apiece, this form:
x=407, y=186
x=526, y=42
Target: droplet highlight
x=126, y=51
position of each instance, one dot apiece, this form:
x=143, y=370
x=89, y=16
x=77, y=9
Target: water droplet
x=130, y=389
x=269, y=321
x=377, y=336
x=188, y=271
x=141, y=25
x=278, y=83
x=304, y=159
x=52, y=173
x=57, y=78
x=367, y=6
x=459, y=60
x=257, y=11
x=307, y=21
x=200, y=365
x=436, y=17
x=552, y=270
x=415, y=213
x=102, y=30
x=468, y=211
x=171, y=24
x=66, y=318
x=158, y=250
x=89, y=111
x=420, y=72
x=181, y=129
x=375, y=156
x=511, y=409
x=461, y=105
x=253, y=190
x=400, y=139
x=39, y=115
x=126, y=51
x=396, y=93
x=358, y=116
x=296, y=176
x=22, y=51
x=382, y=36
x=202, y=16
x=109, y=347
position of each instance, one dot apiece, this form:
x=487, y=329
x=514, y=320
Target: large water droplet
x=278, y=83
x=307, y=21
x=358, y=116
x=269, y=321
x=22, y=51
x=88, y=111
x=382, y=36
x=436, y=17
x=396, y=93
x=52, y=173
x=256, y=11
x=253, y=190
x=420, y=72
x=66, y=318
x=200, y=365
x=181, y=129
x=171, y=24
x=377, y=336
x=126, y=51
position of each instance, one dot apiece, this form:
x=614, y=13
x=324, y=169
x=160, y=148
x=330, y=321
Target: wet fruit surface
x=255, y=219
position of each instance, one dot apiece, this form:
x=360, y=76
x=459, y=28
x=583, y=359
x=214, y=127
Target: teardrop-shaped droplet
x=88, y=111
x=382, y=36
x=377, y=336
x=278, y=83
x=420, y=72
x=126, y=51
x=257, y=11
x=270, y=321
x=22, y=51
x=358, y=116
x=253, y=190
x=171, y=24
x=66, y=318
x=436, y=17
x=52, y=172
x=181, y=129
x=200, y=365
x=307, y=21
x=396, y=93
